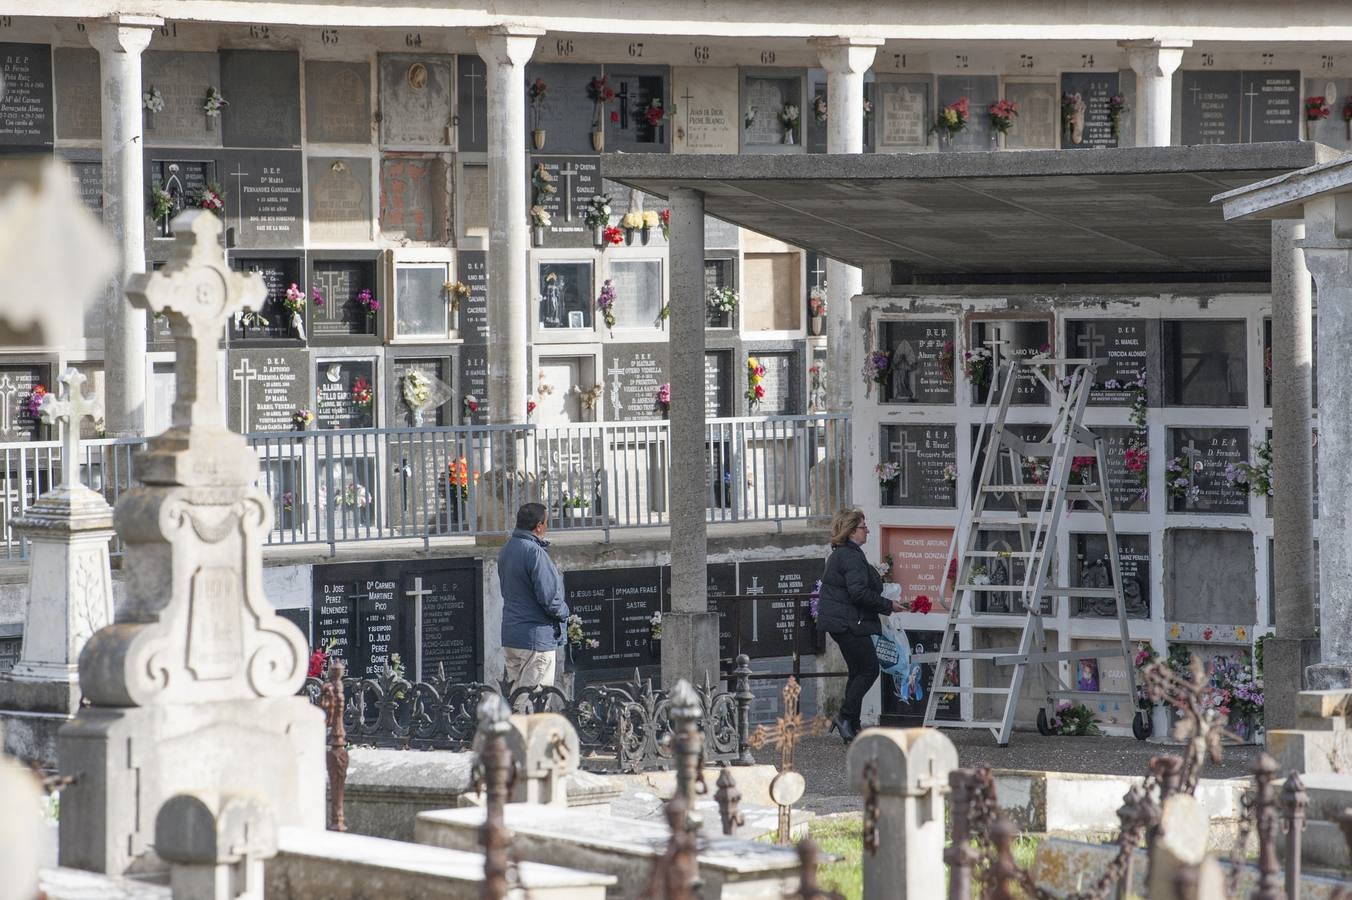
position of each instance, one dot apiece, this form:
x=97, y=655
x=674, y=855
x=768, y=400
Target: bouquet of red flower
x=655, y=112
x=755, y=390
x=361, y=392
x=1316, y=108
x=952, y=118
x=1003, y=113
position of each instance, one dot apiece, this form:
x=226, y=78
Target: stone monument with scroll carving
x=193, y=686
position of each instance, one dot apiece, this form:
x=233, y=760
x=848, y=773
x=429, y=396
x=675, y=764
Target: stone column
x=1154, y=63
x=689, y=631
x=120, y=40
x=505, y=51
x=1286, y=655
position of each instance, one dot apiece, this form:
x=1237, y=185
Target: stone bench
x=625, y=848
x=336, y=866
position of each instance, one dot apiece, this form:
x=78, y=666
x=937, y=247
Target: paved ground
x=822, y=761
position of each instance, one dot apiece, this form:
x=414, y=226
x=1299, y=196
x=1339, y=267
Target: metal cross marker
x=567, y=173
x=788, y=786
x=1196, y=91
x=755, y=589
x=7, y=391
x=900, y=450
x=472, y=76
x=614, y=373
x=69, y=409
x=244, y=373
x=818, y=271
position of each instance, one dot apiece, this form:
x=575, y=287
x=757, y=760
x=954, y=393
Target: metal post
x=743, y=698
x=1267, y=825
x=496, y=759
x=959, y=855
x=332, y=701
x=685, y=712
x=1294, y=802
x=1004, y=870
x=729, y=802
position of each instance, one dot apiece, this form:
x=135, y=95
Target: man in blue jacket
x=534, y=616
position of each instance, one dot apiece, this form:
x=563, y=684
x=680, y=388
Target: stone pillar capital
x=123, y=33
x=846, y=55
x=1330, y=262
x=507, y=45
x=1155, y=58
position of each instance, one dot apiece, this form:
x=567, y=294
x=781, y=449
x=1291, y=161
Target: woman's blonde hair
x=844, y=523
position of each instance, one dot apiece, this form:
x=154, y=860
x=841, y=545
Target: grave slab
x=182, y=80
x=340, y=199
x=705, y=118
x=415, y=100
x=263, y=90
x=337, y=102
x=26, y=102
x=78, y=115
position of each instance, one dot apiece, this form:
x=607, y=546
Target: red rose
x=760, y=392
x=614, y=117
x=317, y=660
x=530, y=407
x=1206, y=635
x=952, y=570
x=921, y=605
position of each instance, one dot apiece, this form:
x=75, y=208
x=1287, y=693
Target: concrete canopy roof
x=1130, y=213
x=1284, y=196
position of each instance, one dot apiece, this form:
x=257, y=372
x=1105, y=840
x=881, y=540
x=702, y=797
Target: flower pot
x=644, y=235
x=655, y=648
x=598, y=140
x=1309, y=129
x=817, y=324
x=537, y=137
x=537, y=235
x=788, y=135
x=628, y=236
x=599, y=237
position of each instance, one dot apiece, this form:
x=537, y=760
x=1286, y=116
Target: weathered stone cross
x=70, y=409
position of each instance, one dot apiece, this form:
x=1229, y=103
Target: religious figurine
x=904, y=366
x=1075, y=118
x=551, y=302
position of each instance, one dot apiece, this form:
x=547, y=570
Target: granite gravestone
x=340, y=281
x=1271, y=107
x=904, y=698
x=638, y=292
x=903, y=114
x=182, y=81
x=340, y=199
x=643, y=107
x=1092, y=568
x=616, y=607
x=1001, y=474
x=566, y=114
x=266, y=388
x=415, y=100
x=18, y=417
x=718, y=273
x=263, y=89
x=576, y=180
x=78, y=106
x=705, y=117
x=471, y=103
x=273, y=322
x=1209, y=111
x=345, y=393
x=337, y=102
x=633, y=373
x=1092, y=126
x=777, y=619
x=565, y=292
x=264, y=199
x=451, y=617
x=1128, y=345
x=300, y=617
x=718, y=379
x=473, y=382
x=1332, y=131
x=1021, y=340
x=1127, y=490
x=764, y=97
x=1209, y=576
x=86, y=168
x=361, y=608
x=472, y=269
x=335, y=616
x=981, y=91
x=1201, y=456
x=928, y=458
x=183, y=176
x=414, y=198
x=720, y=235
x=783, y=383
x=438, y=368
x=1205, y=362
x=25, y=95
x=1036, y=126
x=923, y=361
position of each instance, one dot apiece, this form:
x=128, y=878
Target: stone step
x=624, y=848
x=336, y=866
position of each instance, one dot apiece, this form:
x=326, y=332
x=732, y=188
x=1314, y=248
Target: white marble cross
x=567, y=172
x=418, y=591
x=900, y=451
x=198, y=293
x=70, y=409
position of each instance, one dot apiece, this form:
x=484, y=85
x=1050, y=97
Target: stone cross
x=244, y=373
x=418, y=591
x=7, y=391
x=687, y=97
x=70, y=409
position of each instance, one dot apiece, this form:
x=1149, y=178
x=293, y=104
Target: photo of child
x=1087, y=675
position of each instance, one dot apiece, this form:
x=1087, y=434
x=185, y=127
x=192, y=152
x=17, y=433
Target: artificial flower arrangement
x=530, y=407
x=650, y=219
x=214, y=103
x=723, y=299
x=655, y=112
x=755, y=389
x=631, y=221
x=749, y=117
x=294, y=300
x=877, y=366
x=288, y=499
x=868, y=110
x=788, y=116
x=361, y=392
x=1179, y=482
x=1074, y=719
x=161, y=202
x=1316, y=108
x=302, y=419
x=605, y=303
x=536, y=94
x=655, y=626
x=952, y=118
x=590, y=395
x=946, y=360
x=664, y=397
x=251, y=318
x=210, y=198
x=819, y=109
x=539, y=216
x=599, y=92
x=471, y=403
x=887, y=473
x=368, y=301
x=1255, y=476
x=1117, y=106
x=577, y=637
x=612, y=235
x=665, y=218
x=456, y=293
x=416, y=389
x=816, y=301
x=1003, y=113
x=597, y=213
x=355, y=496
x=34, y=401
x=951, y=473
x=542, y=183
x=315, y=297
x=885, y=567
x=153, y=100
x=976, y=365
x=459, y=478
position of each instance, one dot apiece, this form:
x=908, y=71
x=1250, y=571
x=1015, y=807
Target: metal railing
x=343, y=486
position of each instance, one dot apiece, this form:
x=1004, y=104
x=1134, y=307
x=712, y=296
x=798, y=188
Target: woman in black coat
x=851, y=601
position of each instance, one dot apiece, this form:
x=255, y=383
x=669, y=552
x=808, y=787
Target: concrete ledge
x=77, y=884
x=752, y=781
x=31, y=736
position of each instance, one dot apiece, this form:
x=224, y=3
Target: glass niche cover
x=564, y=289
x=425, y=306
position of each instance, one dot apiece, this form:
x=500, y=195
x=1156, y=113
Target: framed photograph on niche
x=565, y=294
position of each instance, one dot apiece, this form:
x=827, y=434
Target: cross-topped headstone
x=70, y=408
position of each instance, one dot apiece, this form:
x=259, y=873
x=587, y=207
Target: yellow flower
x=1174, y=631
x=649, y=219
x=752, y=362
x=1241, y=633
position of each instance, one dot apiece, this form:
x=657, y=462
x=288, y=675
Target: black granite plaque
x=183, y=178
x=1272, y=108
x=264, y=201
x=927, y=455
x=345, y=393
x=451, y=623
x=1128, y=346
x=25, y=95
x=383, y=628
x=438, y=368
x=472, y=268
x=1210, y=107
x=18, y=383
x=340, y=283
x=923, y=361
x=78, y=108
x=777, y=621
x=718, y=273
x=1001, y=473
x=266, y=388
x=981, y=91
x=565, y=292
x=567, y=114
x=1197, y=462
x=1205, y=362
x=335, y=613
x=576, y=180
x=263, y=89
x=814, y=128
x=718, y=382
x=274, y=324
x=1022, y=340
x=643, y=108
x=633, y=373
x=473, y=384
x=1091, y=123
x=159, y=339
x=904, y=698
x=616, y=607
x=415, y=99
x=471, y=103
x=1127, y=486
x=783, y=383
x=1091, y=567
x=337, y=102
x=300, y=617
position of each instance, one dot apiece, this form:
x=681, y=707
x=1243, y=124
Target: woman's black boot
x=844, y=728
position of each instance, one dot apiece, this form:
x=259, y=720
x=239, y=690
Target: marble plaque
x=1093, y=127
x=473, y=210
x=263, y=88
x=1209, y=111
x=339, y=282
x=1127, y=489
x=278, y=274
x=706, y=119
x=1128, y=345
x=566, y=115
x=473, y=382
x=772, y=294
x=1199, y=457
x=182, y=80
x=764, y=98
x=1091, y=567
x=1205, y=362
x=981, y=91
x=438, y=368
x=778, y=618
x=17, y=383
x=576, y=180
x=637, y=89
x=1001, y=473
x=616, y=607
x=340, y=199
x=25, y=95
x=1036, y=125
x=345, y=393
x=633, y=373
x=78, y=107
x=718, y=384
x=1021, y=339
x=86, y=168
x=1209, y=577
x=413, y=198
x=783, y=383
x=183, y=178
x=337, y=102
x=638, y=292
x=471, y=95
x=925, y=453
x=903, y=114
x=264, y=199
x=451, y=617
x=923, y=361
x=720, y=235
x=1272, y=107
x=472, y=269
x=1333, y=130
x=415, y=99
x=566, y=293
x=266, y=387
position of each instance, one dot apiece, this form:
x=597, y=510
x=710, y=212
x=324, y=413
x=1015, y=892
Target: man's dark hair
x=530, y=515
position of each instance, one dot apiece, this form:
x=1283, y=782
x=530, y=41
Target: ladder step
x=960, y=689
x=1050, y=590
x=955, y=723
x=989, y=620
x=1040, y=488
x=1015, y=658
x=990, y=517
x=1086, y=695
x=966, y=654
x=992, y=554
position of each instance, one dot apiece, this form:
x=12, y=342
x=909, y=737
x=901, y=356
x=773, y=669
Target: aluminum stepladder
x=1037, y=517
